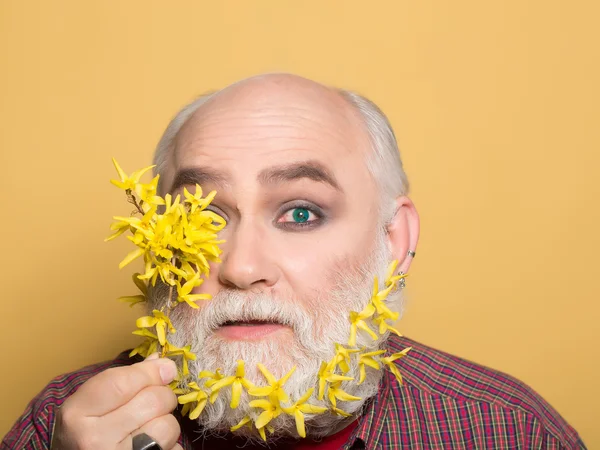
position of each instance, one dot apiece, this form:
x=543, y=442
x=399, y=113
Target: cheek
x=210, y=284
x=315, y=263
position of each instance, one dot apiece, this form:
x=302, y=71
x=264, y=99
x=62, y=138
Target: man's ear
x=403, y=232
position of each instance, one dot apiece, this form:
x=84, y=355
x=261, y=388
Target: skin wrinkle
x=308, y=277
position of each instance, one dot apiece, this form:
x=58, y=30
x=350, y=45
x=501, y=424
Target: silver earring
x=401, y=281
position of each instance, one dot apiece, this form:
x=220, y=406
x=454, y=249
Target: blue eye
x=300, y=217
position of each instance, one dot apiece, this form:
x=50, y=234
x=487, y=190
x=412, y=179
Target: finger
x=152, y=356
x=147, y=405
x=165, y=430
x=177, y=447
x=115, y=387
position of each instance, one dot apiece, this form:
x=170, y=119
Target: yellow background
x=495, y=105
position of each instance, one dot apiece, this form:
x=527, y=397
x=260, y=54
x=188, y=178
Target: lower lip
x=249, y=332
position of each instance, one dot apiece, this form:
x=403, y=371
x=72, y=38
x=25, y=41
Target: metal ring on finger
x=144, y=442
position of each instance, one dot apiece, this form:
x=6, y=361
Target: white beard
x=315, y=334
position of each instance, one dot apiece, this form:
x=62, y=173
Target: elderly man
x=314, y=196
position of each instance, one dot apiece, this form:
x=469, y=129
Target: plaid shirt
x=445, y=402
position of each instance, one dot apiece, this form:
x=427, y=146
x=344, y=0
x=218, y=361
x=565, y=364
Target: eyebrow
x=197, y=175
x=313, y=170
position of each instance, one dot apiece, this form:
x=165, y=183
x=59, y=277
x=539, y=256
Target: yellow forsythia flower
x=128, y=183
x=327, y=375
x=275, y=388
x=299, y=408
x=236, y=381
x=366, y=359
x=389, y=361
x=197, y=395
x=158, y=320
x=357, y=321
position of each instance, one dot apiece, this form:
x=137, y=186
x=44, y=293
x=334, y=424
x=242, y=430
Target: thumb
x=152, y=356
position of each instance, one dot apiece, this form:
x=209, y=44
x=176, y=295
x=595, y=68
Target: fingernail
x=168, y=370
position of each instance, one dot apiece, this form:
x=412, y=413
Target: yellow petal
x=236, y=392
x=131, y=256
x=352, y=339
x=375, y=287
x=261, y=431
x=282, y=396
x=306, y=396
x=122, y=174
x=198, y=409
x=160, y=332
x=340, y=412
x=186, y=398
x=300, y=423
x=391, y=269
x=222, y=383
x=135, y=176
x=344, y=396
x=363, y=326
x=270, y=378
x=312, y=409
x=116, y=234
x=247, y=384
x=396, y=372
x=322, y=384
x=240, y=424
x=363, y=374
x=191, y=303
x=146, y=322
x=264, y=418
x=335, y=377
x=264, y=404
x=239, y=371
x=369, y=362
x=287, y=375
x=261, y=392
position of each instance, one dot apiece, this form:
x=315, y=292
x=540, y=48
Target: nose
x=246, y=260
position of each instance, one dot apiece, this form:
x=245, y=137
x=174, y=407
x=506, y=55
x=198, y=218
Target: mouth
x=249, y=330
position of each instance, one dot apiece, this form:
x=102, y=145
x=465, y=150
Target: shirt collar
x=374, y=420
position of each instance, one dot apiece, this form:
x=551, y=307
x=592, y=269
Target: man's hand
x=115, y=405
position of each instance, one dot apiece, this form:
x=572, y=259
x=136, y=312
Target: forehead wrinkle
x=234, y=123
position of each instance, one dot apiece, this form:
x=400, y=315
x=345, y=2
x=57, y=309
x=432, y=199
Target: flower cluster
x=177, y=239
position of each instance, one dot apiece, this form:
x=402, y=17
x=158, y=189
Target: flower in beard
x=236, y=381
x=196, y=395
x=275, y=388
x=213, y=378
x=327, y=375
x=366, y=359
x=357, y=322
x=299, y=408
x=342, y=357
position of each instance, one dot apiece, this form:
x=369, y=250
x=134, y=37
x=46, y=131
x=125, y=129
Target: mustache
x=229, y=306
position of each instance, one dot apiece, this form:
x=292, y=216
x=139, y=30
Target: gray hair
x=383, y=162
